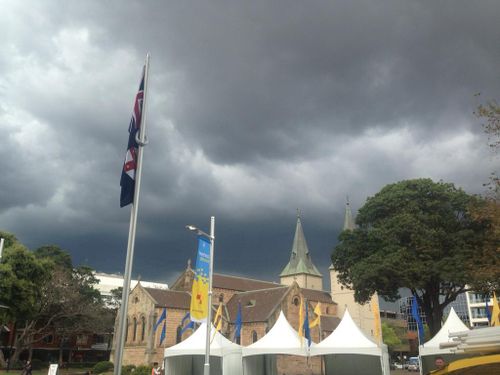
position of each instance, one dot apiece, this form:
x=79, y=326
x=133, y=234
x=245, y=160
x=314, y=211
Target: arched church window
x=221, y=297
x=296, y=300
x=126, y=330
x=254, y=336
x=143, y=328
x=134, y=337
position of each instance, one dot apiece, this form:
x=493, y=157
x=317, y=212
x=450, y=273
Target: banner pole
x=206, y=368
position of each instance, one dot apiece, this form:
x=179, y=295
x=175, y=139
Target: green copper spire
x=300, y=260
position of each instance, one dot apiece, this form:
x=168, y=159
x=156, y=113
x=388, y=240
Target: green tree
x=415, y=234
x=55, y=254
x=390, y=337
x=45, y=295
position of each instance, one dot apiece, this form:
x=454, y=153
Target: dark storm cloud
x=255, y=109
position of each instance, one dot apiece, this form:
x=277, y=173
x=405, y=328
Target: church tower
x=300, y=268
x=361, y=314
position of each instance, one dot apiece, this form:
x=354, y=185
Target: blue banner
x=199, y=295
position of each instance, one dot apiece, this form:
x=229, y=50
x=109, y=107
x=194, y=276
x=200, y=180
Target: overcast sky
x=256, y=108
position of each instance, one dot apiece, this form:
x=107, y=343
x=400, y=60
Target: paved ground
x=402, y=372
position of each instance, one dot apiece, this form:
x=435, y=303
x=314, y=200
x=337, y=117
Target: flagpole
x=206, y=368
x=122, y=327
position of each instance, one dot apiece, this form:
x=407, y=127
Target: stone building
x=261, y=302
x=362, y=315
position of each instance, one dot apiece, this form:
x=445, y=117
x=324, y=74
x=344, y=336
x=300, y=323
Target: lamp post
x=211, y=236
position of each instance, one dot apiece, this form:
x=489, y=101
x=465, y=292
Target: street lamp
x=211, y=237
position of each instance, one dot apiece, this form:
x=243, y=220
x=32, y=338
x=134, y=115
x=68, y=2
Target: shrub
x=128, y=370
x=102, y=366
x=143, y=370
x=37, y=364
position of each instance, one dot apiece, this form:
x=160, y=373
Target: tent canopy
x=195, y=344
x=347, y=338
x=452, y=324
x=281, y=339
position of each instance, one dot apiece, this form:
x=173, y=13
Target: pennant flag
x=238, y=323
x=162, y=317
x=495, y=312
x=127, y=181
x=376, y=320
x=317, y=311
x=416, y=316
x=307, y=331
x=301, y=320
x=189, y=325
x=488, y=313
x=199, y=293
x=163, y=332
x=218, y=318
x=217, y=321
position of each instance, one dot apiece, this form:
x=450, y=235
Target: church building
x=261, y=302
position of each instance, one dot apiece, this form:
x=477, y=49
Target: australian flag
x=127, y=181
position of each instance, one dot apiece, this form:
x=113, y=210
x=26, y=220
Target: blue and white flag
x=163, y=332
x=238, y=323
x=162, y=317
x=189, y=325
x=127, y=181
x=307, y=330
x=416, y=315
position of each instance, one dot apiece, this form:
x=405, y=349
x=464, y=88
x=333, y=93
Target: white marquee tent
x=348, y=351
x=431, y=349
x=188, y=357
x=260, y=357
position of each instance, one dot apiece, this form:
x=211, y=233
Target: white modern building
x=110, y=281
x=476, y=304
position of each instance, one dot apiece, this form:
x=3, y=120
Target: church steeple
x=348, y=220
x=300, y=266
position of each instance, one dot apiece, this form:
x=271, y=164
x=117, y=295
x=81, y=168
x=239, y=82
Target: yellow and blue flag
x=199, y=293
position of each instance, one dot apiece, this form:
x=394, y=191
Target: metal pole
x=122, y=327
x=206, y=368
x=1, y=247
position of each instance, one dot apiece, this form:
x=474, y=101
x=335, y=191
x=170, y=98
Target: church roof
x=317, y=295
x=300, y=259
x=241, y=284
x=170, y=298
x=257, y=305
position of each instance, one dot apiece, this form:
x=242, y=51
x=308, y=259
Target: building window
x=178, y=336
x=81, y=339
x=49, y=339
x=254, y=336
x=134, y=337
x=126, y=331
x=238, y=339
x=296, y=301
x=143, y=328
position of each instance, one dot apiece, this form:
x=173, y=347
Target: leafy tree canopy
x=59, y=256
x=415, y=234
